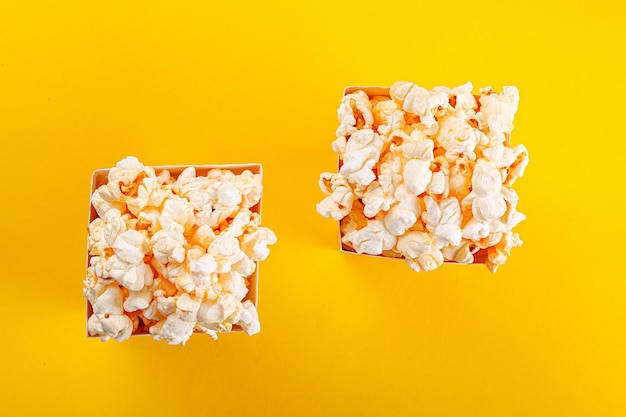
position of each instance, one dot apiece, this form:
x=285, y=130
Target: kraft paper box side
x=100, y=177
x=480, y=257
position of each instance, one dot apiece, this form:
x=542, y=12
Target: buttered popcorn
x=173, y=256
x=426, y=175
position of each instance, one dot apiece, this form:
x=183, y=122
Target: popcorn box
x=100, y=177
x=480, y=256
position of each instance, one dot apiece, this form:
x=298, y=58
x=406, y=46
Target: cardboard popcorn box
x=100, y=177
x=372, y=91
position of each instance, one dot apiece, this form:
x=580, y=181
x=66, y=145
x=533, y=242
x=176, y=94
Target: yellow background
x=83, y=84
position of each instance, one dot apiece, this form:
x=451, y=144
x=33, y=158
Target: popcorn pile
x=170, y=256
x=427, y=175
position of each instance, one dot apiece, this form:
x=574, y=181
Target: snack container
x=100, y=177
x=372, y=91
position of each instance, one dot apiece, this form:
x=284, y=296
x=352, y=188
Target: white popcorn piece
x=138, y=300
x=404, y=214
x=129, y=246
x=489, y=208
x=226, y=251
x=417, y=176
x=460, y=177
x=203, y=236
x=135, y=277
x=174, y=330
x=176, y=210
x=254, y=244
x=387, y=117
x=109, y=301
x=447, y=149
x=417, y=100
x=362, y=153
x=399, y=219
x=475, y=230
x=116, y=326
x=249, y=319
x=199, y=278
x=425, y=263
x=168, y=244
x=187, y=308
x=149, y=194
x=355, y=111
x=399, y=90
x=228, y=196
x=463, y=253
x=443, y=220
x=250, y=187
x=390, y=172
x=96, y=242
x=486, y=179
x=150, y=218
x=234, y=283
x=221, y=314
x=498, y=254
x=497, y=111
x=98, y=266
x=417, y=147
x=375, y=200
x=152, y=312
x=245, y=266
x=114, y=225
x=107, y=197
x=464, y=99
x=420, y=251
x=414, y=244
x=198, y=190
x=438, y=183
x=340, y=196
x=372, y=239
x=339, y=144
x=163, y=244
x=517, y=168
x=165, y=305
x=512, y=217
x=201, y=264
x=127, y=170
x=456, y=136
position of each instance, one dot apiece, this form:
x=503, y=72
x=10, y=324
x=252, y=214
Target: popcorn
x=426, y=175
x=420, y=251
x=129, y=246
x=456, y=136
x=173, y=329
x=164, y=245
x=116, y=326
x=254, y=244
x=361, y=154
x=138, y=300
x=340, y=196
x=443, y=220
x=417, y=175
x=249, y=319
x=372, y=239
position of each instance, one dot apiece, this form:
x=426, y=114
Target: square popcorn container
x=200, y=271
x=426, y=176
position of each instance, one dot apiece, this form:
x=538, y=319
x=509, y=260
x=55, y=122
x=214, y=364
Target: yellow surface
x=83, y=84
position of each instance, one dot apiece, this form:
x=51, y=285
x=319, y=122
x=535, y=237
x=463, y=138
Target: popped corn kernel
x=361, y=154
x=340, y=196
